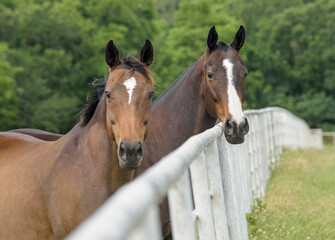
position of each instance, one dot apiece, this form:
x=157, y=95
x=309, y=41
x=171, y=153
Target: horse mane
x=98, y=86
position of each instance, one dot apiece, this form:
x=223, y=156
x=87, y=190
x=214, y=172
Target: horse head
x=224, y=84
x=128, y=97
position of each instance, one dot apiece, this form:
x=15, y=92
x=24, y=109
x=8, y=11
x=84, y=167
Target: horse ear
x=112, y=55
x=212, y=39
x=147, y=53
x=239, y=39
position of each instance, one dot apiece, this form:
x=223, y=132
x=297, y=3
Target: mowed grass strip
x=300, y=198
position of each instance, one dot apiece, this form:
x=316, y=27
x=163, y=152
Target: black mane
x=93, y=99
x=98, y=86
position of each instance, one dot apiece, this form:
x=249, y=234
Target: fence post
x=247, y=174
x=229, y=189
x=251, y=145
x=216, y=191
x=201, y=196
x=148, y=227
x=181, y=209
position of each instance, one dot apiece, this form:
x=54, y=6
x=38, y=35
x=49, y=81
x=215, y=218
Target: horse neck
x=99, y=152
x=183, y=105
x=177, y=115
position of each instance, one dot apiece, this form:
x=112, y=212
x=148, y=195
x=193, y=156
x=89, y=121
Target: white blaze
x=130, y=85
x=234, y=103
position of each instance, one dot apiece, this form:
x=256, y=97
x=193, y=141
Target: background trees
x=51, y=50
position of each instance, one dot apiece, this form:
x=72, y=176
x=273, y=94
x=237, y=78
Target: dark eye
x=245, y=75
x=150, y=95
x=113, y=123
x=108, y=95
x=145, y=123
x=210, y=76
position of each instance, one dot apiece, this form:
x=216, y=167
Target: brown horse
x=48, y=188
x=212, y=87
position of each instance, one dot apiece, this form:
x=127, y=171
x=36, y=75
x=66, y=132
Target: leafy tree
x=59, y=45
x=303, y=49
x=289, y=57
x=8, y=97
x=50, y=50
x=186, y=40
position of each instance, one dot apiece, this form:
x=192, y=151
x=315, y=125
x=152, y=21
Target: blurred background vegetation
x=50, y=50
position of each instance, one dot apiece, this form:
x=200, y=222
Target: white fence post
x=201, y=194
x=216, y=191
x=229, y=189
x=148, y=226
x=181, y=209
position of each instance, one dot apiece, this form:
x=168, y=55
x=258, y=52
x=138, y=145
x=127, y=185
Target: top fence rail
x=210, y=184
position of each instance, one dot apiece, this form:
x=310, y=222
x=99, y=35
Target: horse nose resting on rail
x=234, y=132
x=225, y=84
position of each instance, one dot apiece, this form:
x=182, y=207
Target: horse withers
x=48, y=188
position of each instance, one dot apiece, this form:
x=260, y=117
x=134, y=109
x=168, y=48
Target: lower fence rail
x=210, y=184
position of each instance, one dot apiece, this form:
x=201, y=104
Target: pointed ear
x=112, y=55
x=147, y=53
x=239, y=39
x=212, y=39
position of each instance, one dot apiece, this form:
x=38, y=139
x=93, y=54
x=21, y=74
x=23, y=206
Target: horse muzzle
x=234, y=132
x=130, y=155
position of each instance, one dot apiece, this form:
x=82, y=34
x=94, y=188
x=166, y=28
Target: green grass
x=300, y=198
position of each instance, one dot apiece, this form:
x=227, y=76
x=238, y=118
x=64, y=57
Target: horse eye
x=245, y=75
x=108, y=95
x=209, y=75
x=150, y=95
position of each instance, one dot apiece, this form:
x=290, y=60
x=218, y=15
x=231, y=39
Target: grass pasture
x=300, y=198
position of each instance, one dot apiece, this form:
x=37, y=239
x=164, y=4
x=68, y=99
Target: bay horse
x=211, y=88
x=49, y=187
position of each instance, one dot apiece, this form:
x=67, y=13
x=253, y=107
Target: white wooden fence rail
x=223, y=180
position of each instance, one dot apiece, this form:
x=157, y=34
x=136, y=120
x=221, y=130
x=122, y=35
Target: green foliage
x=58, y=47
x=303, y=46
x=56, y=114
x=8, y=98
x=315, y=107
x=186, y=39
x=252, y=218
x=290, y=58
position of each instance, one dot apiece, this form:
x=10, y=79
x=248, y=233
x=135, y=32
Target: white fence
x=223, y=180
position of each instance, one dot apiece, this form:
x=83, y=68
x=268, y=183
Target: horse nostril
x=245, y=126
x=229, y=126
x=122, y=150
x=138, y=149
x=140, y=153
x=137, y=145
